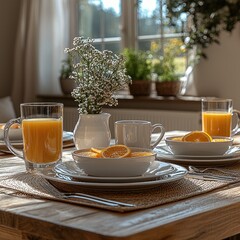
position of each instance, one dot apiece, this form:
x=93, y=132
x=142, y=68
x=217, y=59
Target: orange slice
x=116, y=151
x=140, y=154
x=177, y=139
x=197, y=136
x=89, y=154
x=220, y=140
x=95, y=150
x=14, y=126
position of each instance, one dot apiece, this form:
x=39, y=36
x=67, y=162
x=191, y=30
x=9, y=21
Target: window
x=100, y=20
x=139, y=24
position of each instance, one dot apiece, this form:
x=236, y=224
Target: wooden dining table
x=211, y=215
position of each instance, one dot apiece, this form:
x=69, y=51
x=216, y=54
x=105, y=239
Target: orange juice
x=217, y=123
x=42, y=140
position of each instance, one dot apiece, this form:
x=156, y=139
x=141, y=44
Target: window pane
x=111, y=18
x=168, y=28
x=144, y=45
x=148, y=17
x=114, y=47
x=174, y=46
x=89, y=18
x=152, y=14
x=100, y=19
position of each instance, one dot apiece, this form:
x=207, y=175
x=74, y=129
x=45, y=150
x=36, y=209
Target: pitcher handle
x=15, y=151
x=162, y=132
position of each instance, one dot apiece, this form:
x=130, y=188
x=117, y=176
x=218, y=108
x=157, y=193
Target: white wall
x=219, y=75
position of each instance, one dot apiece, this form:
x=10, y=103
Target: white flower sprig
x=97, y=74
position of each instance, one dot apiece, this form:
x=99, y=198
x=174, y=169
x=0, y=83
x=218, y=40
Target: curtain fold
x=25, y=48
x=43, y=34
x=53, y=39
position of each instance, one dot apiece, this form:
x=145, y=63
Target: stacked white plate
x=158, y=173
x=230, y=157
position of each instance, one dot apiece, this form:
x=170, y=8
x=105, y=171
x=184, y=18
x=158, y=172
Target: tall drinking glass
x=217, y=117
x=42, y=130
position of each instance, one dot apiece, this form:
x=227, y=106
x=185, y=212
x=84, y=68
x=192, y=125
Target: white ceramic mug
x=137, y=133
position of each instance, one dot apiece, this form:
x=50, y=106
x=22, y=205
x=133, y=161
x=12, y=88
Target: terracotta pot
x=67, y=85
x=171, y=88
x=140, y=88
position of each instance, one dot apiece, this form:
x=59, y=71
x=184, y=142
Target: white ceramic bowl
x=199, y=148
x=114, y=167
x=15, y=134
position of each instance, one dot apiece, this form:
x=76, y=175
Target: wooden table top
x=213, y=215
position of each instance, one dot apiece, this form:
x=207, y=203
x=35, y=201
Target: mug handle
x=162, y=132
x=15, y=151
x=236, y=129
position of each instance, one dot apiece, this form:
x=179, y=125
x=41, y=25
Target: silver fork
x=92, y=198
x=211, y=177
x=224, y=171
x=96, y=199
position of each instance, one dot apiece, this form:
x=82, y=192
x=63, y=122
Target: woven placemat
x=12, y=176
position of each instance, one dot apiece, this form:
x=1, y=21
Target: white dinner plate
x=157, y=169
x=64, y=182
x=16, y=144
x=67, y=136
x=15, y=134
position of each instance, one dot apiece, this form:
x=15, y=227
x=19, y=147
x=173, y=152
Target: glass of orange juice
x=217, y=117
x=42, y=130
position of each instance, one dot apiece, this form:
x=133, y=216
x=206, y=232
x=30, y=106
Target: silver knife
x=209, y=176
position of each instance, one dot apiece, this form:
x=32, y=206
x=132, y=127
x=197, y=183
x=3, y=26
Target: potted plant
x=167, y=80
x=206, y=20
x=138, y=66
x=67, y=84
x=98, y=75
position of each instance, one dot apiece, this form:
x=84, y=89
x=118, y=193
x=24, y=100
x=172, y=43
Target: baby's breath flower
x=98, y=76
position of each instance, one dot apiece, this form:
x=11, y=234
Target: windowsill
x=181, y=103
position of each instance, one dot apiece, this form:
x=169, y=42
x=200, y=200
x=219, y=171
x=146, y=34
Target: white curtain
x=43, y=34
